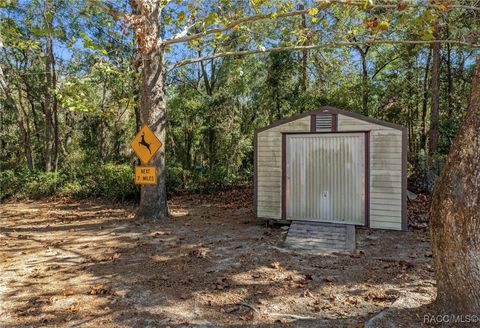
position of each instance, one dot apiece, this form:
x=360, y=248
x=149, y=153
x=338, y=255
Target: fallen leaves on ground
x=205, y=260
x=419, y=211
x=101, y=290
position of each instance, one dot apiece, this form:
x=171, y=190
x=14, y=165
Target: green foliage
x=114, y=181
x=219, y=177
x=75, y=189
x=448, y=126
x=214, y=106
x=8, y=183
x=176, y=177
x=26, y=184
x=41, y=184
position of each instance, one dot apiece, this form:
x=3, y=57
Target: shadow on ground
x=91, y=264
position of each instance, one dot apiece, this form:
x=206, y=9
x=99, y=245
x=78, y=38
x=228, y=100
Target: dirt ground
x=92, y=264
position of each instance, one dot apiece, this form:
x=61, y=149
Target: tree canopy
x=71, y=80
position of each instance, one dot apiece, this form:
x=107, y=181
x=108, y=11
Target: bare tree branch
x=241, y=21
x=383, y=66
x=323, y=5
x=320, y=46
x=404, y=5
x=184, y=32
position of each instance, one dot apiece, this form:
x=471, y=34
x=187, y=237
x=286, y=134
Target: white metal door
x=326, y=177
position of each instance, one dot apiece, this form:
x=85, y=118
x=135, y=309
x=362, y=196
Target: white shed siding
x=385, y=171
x=269, y=167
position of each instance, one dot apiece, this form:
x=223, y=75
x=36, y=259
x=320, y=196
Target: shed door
x=326, y=177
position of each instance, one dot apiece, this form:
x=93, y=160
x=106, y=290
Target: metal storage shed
x=332, y=165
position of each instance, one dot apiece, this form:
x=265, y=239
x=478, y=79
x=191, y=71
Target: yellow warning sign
x=145, y=144
x=145, y=175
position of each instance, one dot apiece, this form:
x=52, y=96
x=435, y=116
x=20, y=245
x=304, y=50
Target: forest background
x=70, y=82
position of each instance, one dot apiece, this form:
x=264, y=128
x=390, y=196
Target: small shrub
x=219, y=177
x=117, y=181
x=175, y=178
x=8, y=184
x=41, y=184
x=75, y=189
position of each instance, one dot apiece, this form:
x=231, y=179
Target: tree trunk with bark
x=48, y=133
x=423, y=128
x=304, y=75
x=153, y=198
x=52, y=138
x=455, y=217
x=411, y=102
x=188, y=148
x=25, y=132
x=102, y=127
x=364, y=78
x=211, y=132
x=450, y=86
x=435, y=109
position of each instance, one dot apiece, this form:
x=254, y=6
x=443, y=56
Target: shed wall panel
x=385, y=171
x=269, y=167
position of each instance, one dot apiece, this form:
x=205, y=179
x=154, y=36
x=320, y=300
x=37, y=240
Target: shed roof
x=332, y=110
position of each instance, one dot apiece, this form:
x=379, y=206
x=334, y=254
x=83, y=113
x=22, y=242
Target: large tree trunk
x=153, y=198
x=435, y=110
x=455, y=215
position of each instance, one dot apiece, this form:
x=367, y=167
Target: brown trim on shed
x=284, y=176
x=404, y=179
x=367, y=179
x=332, y=110
x=337, y=111
x=313, y=123
x=334, y=122
x=326, y=132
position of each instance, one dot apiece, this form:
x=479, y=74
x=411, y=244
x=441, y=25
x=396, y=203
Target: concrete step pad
x=320, y=237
